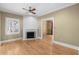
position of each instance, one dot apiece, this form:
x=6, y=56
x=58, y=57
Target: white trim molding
x=67, y=45
x=0, y=42
x=78, y=51
x=10, y=40
x=10, y=30
x=46, y=19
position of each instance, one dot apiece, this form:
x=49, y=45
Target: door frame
x=46, y=19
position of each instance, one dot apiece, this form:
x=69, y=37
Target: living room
x=37, y=29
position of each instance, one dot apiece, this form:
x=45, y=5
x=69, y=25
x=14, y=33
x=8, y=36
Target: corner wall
x=2, y=22
x=66, y=25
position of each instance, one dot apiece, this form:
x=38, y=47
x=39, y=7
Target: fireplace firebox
x=30, y=34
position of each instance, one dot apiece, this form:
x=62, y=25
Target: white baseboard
x=67, y=45
x=39, y=38
x=32, y=38
x=5, y=41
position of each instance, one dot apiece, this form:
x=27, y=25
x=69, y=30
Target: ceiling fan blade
x=33, y=12
x=33, y=9
x=24, y=9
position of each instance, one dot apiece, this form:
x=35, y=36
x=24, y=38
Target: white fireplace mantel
x=30, y=30
x=30, y=23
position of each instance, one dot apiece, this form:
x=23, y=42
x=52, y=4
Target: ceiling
x=41, y=8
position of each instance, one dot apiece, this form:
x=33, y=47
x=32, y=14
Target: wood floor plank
x=35, y=47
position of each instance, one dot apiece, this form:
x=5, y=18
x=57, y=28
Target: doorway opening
x=49, y=27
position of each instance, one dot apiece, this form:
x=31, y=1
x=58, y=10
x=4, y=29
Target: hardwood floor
x=35, y=47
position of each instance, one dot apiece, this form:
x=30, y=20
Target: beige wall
x=0, y=26
x=66, y=25
x=7, y=37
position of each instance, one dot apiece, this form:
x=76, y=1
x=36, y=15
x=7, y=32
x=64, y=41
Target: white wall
x=30, y=22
